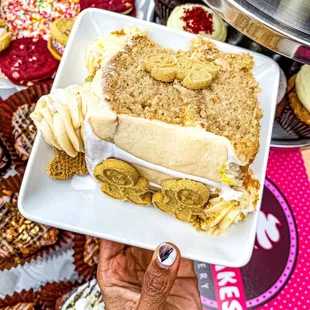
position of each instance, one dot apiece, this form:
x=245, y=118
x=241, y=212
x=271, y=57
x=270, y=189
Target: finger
x=110, y=249
x=159, y=277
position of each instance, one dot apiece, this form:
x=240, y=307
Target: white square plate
x=79, y=205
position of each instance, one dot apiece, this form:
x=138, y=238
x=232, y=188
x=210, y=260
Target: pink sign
x=277, y=276
x=229, y=288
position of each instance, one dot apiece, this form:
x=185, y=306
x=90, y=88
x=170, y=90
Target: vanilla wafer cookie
x=62, y=166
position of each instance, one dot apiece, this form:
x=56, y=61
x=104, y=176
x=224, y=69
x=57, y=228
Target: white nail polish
x=166, y=254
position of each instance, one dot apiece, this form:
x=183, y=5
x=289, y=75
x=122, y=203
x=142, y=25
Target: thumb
x=159, y=277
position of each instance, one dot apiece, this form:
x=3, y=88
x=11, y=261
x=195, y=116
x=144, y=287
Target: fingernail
x=166, y=254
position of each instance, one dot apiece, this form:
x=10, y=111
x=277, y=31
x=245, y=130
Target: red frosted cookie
x=119, y=6
x=28, y=60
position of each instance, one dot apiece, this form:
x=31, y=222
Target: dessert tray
x=78, y=204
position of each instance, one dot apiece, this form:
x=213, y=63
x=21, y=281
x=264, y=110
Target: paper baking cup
x=11, y=183
x=291, y=123
x=22, y=297
x=9, y=190
x=48, y=294
x=9, y=106
x=162, y=11
x=5, y=157
x=44, y=298
x=64, y=241
x=280, y=108
x=84, y=270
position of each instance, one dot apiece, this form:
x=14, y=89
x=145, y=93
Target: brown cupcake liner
x=65, y=240
x=287, y=117
x=44, y=298
x=61, y=300
x=10, y=162
x=10, y=184
x=24, y=297
x=49, y=294
x=9, y=189
x=162, y=11
x=84, y=270
x=20, y=306
x=9, y=107
x=280, y=107
x=292, y=124
x=5, y=157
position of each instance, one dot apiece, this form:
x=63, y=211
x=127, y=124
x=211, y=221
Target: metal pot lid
x=280, y=25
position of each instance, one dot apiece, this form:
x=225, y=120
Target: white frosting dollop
x=98, y=150
x=103, y=48
x=303, y=86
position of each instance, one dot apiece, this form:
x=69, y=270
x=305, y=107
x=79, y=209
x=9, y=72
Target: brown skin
x=131, y=278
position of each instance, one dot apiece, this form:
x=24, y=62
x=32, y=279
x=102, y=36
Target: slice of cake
x=209, y=132
x=176, y=129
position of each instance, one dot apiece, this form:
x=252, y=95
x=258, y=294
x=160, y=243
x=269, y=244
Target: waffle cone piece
x=62, y=166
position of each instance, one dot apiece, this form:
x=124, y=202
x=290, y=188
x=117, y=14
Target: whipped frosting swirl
x=303, y=86
x=60, y=117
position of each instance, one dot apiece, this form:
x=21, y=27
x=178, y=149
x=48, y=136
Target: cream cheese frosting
x=103, y=48
x=176, y=21
x=224, y=210
x=302, y=85
x=184, y=149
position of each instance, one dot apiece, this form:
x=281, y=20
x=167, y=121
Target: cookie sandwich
x=59, y=35
x=5, y=36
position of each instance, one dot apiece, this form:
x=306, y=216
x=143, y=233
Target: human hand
x=132, y=278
